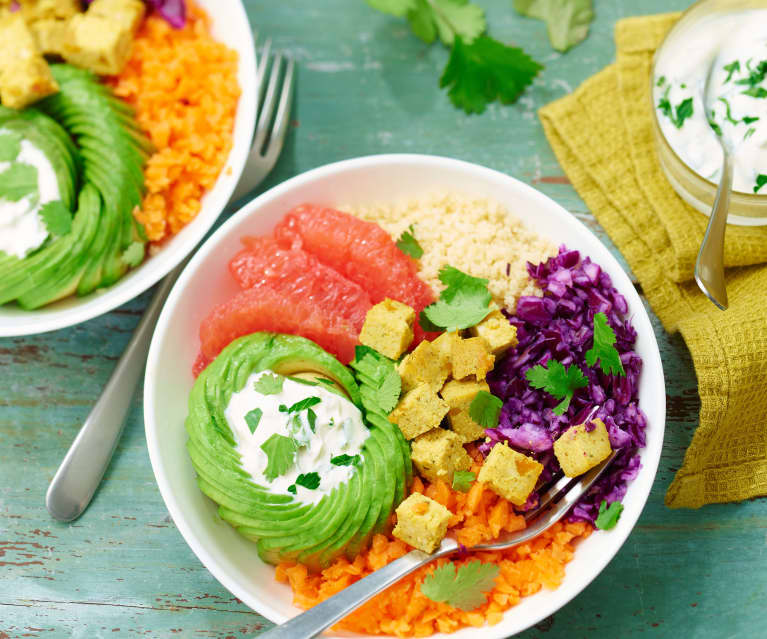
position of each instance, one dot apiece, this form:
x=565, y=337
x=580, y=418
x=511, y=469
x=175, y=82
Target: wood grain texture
x=365, y=85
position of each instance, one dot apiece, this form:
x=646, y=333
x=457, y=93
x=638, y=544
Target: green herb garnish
x=727, y=114
x=464, y=302
x=558, y=382
x=308, y=480
x=280, y=453
x=464, y=587
x=761, y=180
x=408, y=244
x=567, y=21
x=751, y=130
x=18, y=181
x=381, y=384
x=269, y=384
x=756, y=92
x=485, y=409
x=661, y=81
x=608, y=517
x=749, y=119
x=306, y=402
x=56, y=217
x=252, y=418
x=603, y=349
x=731, y=68
x=312, y=417
x=345, y=460
x=717, y=129
x=683, y=111
x=462, y=480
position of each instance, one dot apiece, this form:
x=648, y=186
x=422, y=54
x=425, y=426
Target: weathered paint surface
x=364, y=86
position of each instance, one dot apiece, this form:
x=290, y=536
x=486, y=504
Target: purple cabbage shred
x=560, y=325
x=174, y=11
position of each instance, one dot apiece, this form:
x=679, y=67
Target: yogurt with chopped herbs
x=736, y=43
x=309, y=435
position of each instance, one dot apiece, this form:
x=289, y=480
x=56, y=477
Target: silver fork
x=553, y=504
x=88, y=457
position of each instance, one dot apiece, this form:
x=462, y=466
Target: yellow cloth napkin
x=602, y=136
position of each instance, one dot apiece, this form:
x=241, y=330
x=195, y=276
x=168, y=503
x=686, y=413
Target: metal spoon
x=709, y=267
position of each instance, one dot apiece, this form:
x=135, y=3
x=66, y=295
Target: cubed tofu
x=423, y=366
x=34, y=10
x=438, y=454
x=471, y=357
x=444, y=345
x=459, y=395
x=510, y=474
x=421, y=522
x=24, y=74
x=129, y=13
x=498, y=334
x=579, y=449
x=51, y=35
x=99, y=44
x=419, y=410
x=388, y=328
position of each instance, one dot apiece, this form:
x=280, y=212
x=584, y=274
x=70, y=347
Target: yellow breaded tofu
x=34, y=10
x=388, y=328
x=423, y=366
x=471, y=357
x=498, y=334
x=129, y=13
x=578, y=450
x=24, y=74
x=51, y=35
x=419, y=410
x=438, y=454
x=510, y=474
x=421, y=522
x=444, y=345
x=99, y=44
x=459, y=395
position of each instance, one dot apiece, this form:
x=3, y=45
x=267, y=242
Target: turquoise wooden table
x=365, y=85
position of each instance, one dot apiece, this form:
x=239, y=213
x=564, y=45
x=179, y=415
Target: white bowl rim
x=656, y=415
x=78, y=310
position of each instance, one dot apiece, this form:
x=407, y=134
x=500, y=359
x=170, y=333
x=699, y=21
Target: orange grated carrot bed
x=183, y=86
x=402, y=610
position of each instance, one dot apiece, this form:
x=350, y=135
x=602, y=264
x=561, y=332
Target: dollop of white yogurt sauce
x=21, y=228
x=338, y=430
x=736, y=43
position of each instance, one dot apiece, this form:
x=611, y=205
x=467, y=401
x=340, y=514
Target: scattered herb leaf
x=485, y=409
x=557, y=381
x=683, y=111
x=749, y=119
x=567, y=21
x=345, y=460
x=463, y=303
x=731, y=68
x=716, y=128
x=18, y=181
x=409, y=245
x=761, y=180
x=292, y=489
x=269, y=384
x=756, y=92
x=280, y=453
x=57, y=218
x=464, y=587
x=727, y=113
x=252, y=418
x=312, y=417
x=608, y=517
x=462, y=480
x=308, y=480
x=661, y=81
x=603, y=349
x=303, y=404
x=380, y=383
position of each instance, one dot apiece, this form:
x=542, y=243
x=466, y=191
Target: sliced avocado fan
x=97, y=152
x=285, y=529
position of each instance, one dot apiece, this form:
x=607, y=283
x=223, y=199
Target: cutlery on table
x=88, y=457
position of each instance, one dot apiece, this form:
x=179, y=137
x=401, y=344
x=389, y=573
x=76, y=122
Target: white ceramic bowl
x=229, y=24
x=206, y=282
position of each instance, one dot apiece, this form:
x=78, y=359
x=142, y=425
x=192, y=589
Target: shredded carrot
x=183, y=86
x=402, y=610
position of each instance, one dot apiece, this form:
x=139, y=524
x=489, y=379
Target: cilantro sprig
x=761, y=180
x=280, y=453
x=269, y=384
x=462, y=480
x=56, y=217
x=345, y=460
x=464, y=302
x=18, y=181
x=485, y=409
x=380, y=383
x=608, y=516
x=557, y=381
x=464, y=587
x=408, y=244
x=567, y=21
x=603, y=349
x=302, y=404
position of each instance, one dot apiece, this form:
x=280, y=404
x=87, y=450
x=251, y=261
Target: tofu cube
x=34, y=10
x=510, y=474
x=388, y=328
x=24, y=74
x=498, y=334
x=129, y=13
x=421, y=522
x=444, y=345
x=459, y=395
x=51, y=35
x=99, y=44
x=471, y=357
x=423, y=366
x=438, y=454
x=578, y=449
x=419, y=410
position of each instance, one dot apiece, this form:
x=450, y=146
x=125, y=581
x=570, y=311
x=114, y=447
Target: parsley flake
x=731, y=68
x=18, y=181
x=485, y=409
x=756, y=92
x=464, y=587
x=463, y=303
x=557, y=381
x=292, y=488
x=345, y=460
x=408, y=244
x=603, y=349
x=252, y=418
x=280, y=453
x=761, y=180
x=462, y=480
x=608, y=516
x=749, y=119
x=269, y=384
x=56, y=217
x=567, y=21
x=308, y=480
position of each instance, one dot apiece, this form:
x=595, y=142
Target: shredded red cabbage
x=560, y=325
x=174, y=11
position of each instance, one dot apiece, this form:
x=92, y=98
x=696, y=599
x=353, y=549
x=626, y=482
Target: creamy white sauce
x=338, y=430
x=21, y=228
x=680, y=74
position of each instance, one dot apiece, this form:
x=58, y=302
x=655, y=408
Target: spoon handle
x=80, y=472
x=709, y=267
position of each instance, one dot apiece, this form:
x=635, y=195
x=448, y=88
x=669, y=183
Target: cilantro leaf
x=252, y=418
x=603, y=349
x=567, y=21
x=463, y=588
x=731, y=68
x=397, y=8
x=608, y=517
x=269, y=384
x=761, y=180
x=292, y=488
x=18, y=181
x=484, y=71
x=345, y=460
x=280, y=453
x=409, y=245
x=463, y=303
x=457, y=17
x=557, y=381
x=10, y=146
x=756, y=92
x=683, y=111
x=56, y=217
x=134, y=254
x=380, y=383
x=308, y=480
x=312, y=417
x=462, y=480
x=485, y=409
x=303, y=404
x=748, y=119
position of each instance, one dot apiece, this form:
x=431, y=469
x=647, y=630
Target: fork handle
x=312, y=622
